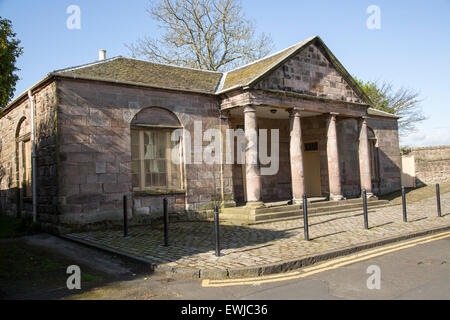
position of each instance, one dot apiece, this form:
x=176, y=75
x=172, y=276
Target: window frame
x=141, y=129
x=374, y=162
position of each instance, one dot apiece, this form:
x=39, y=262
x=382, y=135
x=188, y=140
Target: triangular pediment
x=312, y=71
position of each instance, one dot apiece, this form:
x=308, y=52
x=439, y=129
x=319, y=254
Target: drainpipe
x=33, y=157
x=222, y=195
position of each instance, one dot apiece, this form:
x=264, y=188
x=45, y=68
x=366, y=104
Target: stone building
x=103, y=130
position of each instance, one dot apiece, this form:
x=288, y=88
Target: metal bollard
x=405, y=215
x=217, y=230
x=166, y=222
x=305, y=217
x=438, y=198
x=366, y=215
x=125, y=217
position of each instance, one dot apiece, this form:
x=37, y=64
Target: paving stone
x=192, y=244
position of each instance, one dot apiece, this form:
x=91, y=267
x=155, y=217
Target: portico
x=302, y=132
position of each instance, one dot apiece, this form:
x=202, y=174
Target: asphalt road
x=413, y=269
x=419, y=272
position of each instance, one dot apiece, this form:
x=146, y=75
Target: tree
x=9, y=52
x=203, y=34
x=402, y=102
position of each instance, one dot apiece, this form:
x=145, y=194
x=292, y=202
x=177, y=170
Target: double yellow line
x=331, y=265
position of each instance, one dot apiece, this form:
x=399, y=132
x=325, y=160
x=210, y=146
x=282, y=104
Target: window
x=152, y=165
x=23, y=158
x=373, y=159
x=373, y=150
x=26, y=168
x=311, y=146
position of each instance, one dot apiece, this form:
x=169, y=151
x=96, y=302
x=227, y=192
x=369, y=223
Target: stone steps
x=286, y=212
x=299, y=214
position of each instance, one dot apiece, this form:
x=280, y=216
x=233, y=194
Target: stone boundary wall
x=432, y=164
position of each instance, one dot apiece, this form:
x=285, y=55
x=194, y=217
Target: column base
x=296, y=201
x=228, y=204
x=369, y=195
x=255, y=204
x=336, y=197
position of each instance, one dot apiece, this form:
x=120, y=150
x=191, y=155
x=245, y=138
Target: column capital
x=225, y=114
x=362, y=121
x=295, y=112
x=249, y=108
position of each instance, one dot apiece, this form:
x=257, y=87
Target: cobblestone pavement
x=192, y=243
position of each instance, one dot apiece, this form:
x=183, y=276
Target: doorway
x=311, y=165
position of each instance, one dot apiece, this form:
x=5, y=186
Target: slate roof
x=152, y=74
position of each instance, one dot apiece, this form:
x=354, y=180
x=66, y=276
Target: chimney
x=101, y=55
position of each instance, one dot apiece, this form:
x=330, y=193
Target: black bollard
x=217, y=230
x=366, y=216
x=438, y=198
x=305, y=217
x=405, y=215
x=125, y=217
x=166, y=222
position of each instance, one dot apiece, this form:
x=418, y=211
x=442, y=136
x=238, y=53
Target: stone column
x=296, y=157
x=226, y=169
x=334, y=171
x=364, y=159
x=252, y=169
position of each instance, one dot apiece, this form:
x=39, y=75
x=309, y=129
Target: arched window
x=153, y=164
x=373, y=149
x=23, y=156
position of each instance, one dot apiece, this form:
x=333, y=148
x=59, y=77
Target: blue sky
x=411, y=49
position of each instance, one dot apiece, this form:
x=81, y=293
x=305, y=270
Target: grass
x=17, y=263
x=11, y=227
x=85, y=277
x=418, y=194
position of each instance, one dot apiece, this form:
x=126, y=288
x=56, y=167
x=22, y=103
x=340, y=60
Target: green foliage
x=403, y=102
x=12, y=227
x=28, y=226
x=18, y=264
x=9, y=52
x=405, y=150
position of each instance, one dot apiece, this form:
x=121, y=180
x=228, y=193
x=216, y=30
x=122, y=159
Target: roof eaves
x=25, y=93
x=380, y=113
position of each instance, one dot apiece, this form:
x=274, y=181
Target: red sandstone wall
x=95, y=151
x=45, y=106
x=386, y=132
